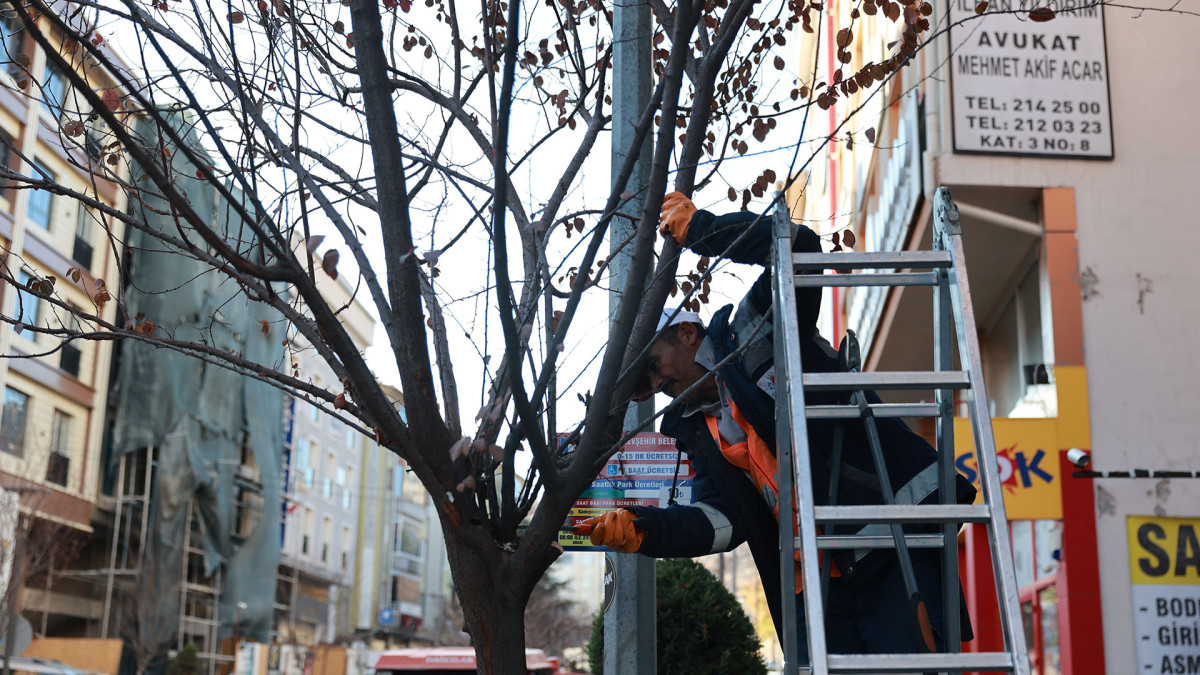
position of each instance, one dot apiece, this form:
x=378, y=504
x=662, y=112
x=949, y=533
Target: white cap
x=680, y=316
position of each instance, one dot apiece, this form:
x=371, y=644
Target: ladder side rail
x=946, y=224
x=792, y=459
x=943, y=360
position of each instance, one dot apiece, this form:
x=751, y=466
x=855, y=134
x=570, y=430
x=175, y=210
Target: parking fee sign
x=642, y=473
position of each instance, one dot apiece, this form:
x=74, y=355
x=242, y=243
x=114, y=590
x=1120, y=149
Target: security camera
x=1080, y=458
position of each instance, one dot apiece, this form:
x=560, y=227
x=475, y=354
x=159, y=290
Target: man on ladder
x=726, y=423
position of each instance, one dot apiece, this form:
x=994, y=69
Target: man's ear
x=688, y=334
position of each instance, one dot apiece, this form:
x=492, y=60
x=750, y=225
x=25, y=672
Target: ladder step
x=921, y=663
x=841, y=412
x=877, y=260
x=844, y=541
x=895, y=379
x=875, y=279
x=909, y=513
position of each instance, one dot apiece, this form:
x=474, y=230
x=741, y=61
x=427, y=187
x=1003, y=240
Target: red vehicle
x=436, y=660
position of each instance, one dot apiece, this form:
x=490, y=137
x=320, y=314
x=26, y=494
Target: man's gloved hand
x=675, y=216
x=615, y=530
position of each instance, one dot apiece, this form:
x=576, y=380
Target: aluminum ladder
x=943, y=269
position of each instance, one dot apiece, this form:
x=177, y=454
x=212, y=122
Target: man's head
x=671, y=363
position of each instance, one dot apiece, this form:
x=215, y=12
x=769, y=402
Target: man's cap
x=669, y=317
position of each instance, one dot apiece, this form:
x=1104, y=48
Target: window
x=54, y=88
x=58, y=466
x=304, y=462
x=1036, y=545
x=347, y=489
x=1017, y=374
x=70, y=356
x=12, y=424
x=414, y=492
x=326, y=538
x=345, y=548
x=28, y=304
x=6, y=154
x=331, y=468
x=13, y=37
x=306, y=527
x=412, y=540
x=351, y=437
x=82, y=252
x=41, y=201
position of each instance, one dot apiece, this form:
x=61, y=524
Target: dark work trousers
x=872, y=615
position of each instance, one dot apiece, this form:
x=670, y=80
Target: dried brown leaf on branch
x=329, y=262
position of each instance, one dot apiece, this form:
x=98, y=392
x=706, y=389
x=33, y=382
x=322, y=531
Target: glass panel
x=414, y=492
x=13, y=33
x=28, y=304
x=1047, y=545
x=1022, y=541
x=413, y=538
x=54, y=87
x=40, y=201
x=1048, y=601
x=58, y=465
x=12, y=424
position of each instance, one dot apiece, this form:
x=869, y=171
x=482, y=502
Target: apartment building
x=54, y=394
x=1069, y=148
x=323, y=465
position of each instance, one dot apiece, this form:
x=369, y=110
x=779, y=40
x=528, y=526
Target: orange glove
x=616, y=530
x=675, y=216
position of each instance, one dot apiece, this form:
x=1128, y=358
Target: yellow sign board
x=1164, y=566
x=1027, y=451
x=1164, y=551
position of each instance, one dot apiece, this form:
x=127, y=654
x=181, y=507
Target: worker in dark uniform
x=726, y=424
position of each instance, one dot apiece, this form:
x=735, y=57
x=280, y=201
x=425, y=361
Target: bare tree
x=387, y=143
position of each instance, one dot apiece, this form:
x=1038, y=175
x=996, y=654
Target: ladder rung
x=895, y=379
x=875, y=279
x=876, y=260
x=840, y=412
x=910, y=513
x=843, y=541
x=920, y=663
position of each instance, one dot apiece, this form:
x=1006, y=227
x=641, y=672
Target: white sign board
x=1021, y=87
x=1164, y=567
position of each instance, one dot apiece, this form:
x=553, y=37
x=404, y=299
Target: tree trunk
x=493, y=603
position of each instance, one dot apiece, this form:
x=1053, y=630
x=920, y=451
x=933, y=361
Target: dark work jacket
x=687, y=531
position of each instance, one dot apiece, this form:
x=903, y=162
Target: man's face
x=671, y=365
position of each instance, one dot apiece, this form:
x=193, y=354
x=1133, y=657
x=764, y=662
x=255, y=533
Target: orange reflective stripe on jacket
x=755, y=457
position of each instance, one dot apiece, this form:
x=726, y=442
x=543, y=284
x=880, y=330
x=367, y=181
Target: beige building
x=322, y=493
x=54, y=393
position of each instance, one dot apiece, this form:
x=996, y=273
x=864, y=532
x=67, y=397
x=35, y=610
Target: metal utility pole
x=629, y=630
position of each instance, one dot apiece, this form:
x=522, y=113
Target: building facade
x=323, y=464
x=1067, y=146
x=54, y=403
